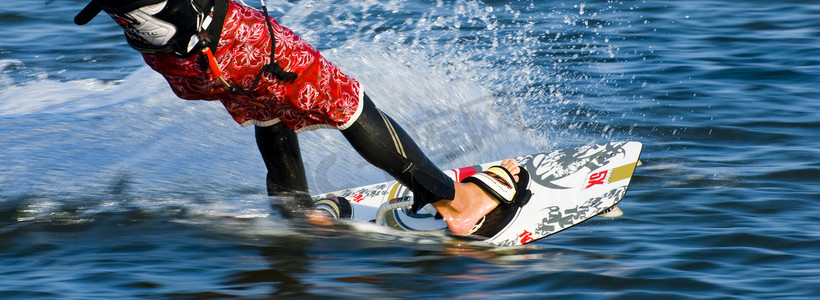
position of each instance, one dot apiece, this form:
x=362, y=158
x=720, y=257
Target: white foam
x=47, y=96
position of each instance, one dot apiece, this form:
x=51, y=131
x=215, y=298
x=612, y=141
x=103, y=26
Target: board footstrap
x=498, y=182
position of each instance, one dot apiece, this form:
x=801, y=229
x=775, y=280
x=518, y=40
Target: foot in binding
x=492, y=200
x=328, y=209
x=334, y=207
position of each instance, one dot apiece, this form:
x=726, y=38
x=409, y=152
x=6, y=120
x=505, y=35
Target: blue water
x=110, y=187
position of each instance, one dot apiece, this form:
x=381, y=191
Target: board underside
x=569, y=186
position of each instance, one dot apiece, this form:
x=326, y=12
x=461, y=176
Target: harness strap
x=273, y=67
x=212, y=25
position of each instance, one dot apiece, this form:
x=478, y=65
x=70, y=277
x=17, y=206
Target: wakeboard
x=568, y=186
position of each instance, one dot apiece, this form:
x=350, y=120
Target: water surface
x=110, y=187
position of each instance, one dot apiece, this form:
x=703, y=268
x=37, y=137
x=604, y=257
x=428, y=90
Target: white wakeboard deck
x=569, y=186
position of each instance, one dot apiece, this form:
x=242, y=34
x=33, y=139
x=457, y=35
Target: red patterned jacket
x=320, y=96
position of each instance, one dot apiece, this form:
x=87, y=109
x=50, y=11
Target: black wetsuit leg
x=286, y=179
x=383, y=143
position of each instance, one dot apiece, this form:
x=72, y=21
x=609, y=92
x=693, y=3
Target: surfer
x=267, y=76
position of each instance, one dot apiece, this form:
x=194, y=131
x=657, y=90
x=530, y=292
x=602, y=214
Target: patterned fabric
x=321, y=96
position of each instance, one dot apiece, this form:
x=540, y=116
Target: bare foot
x=471, y=203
